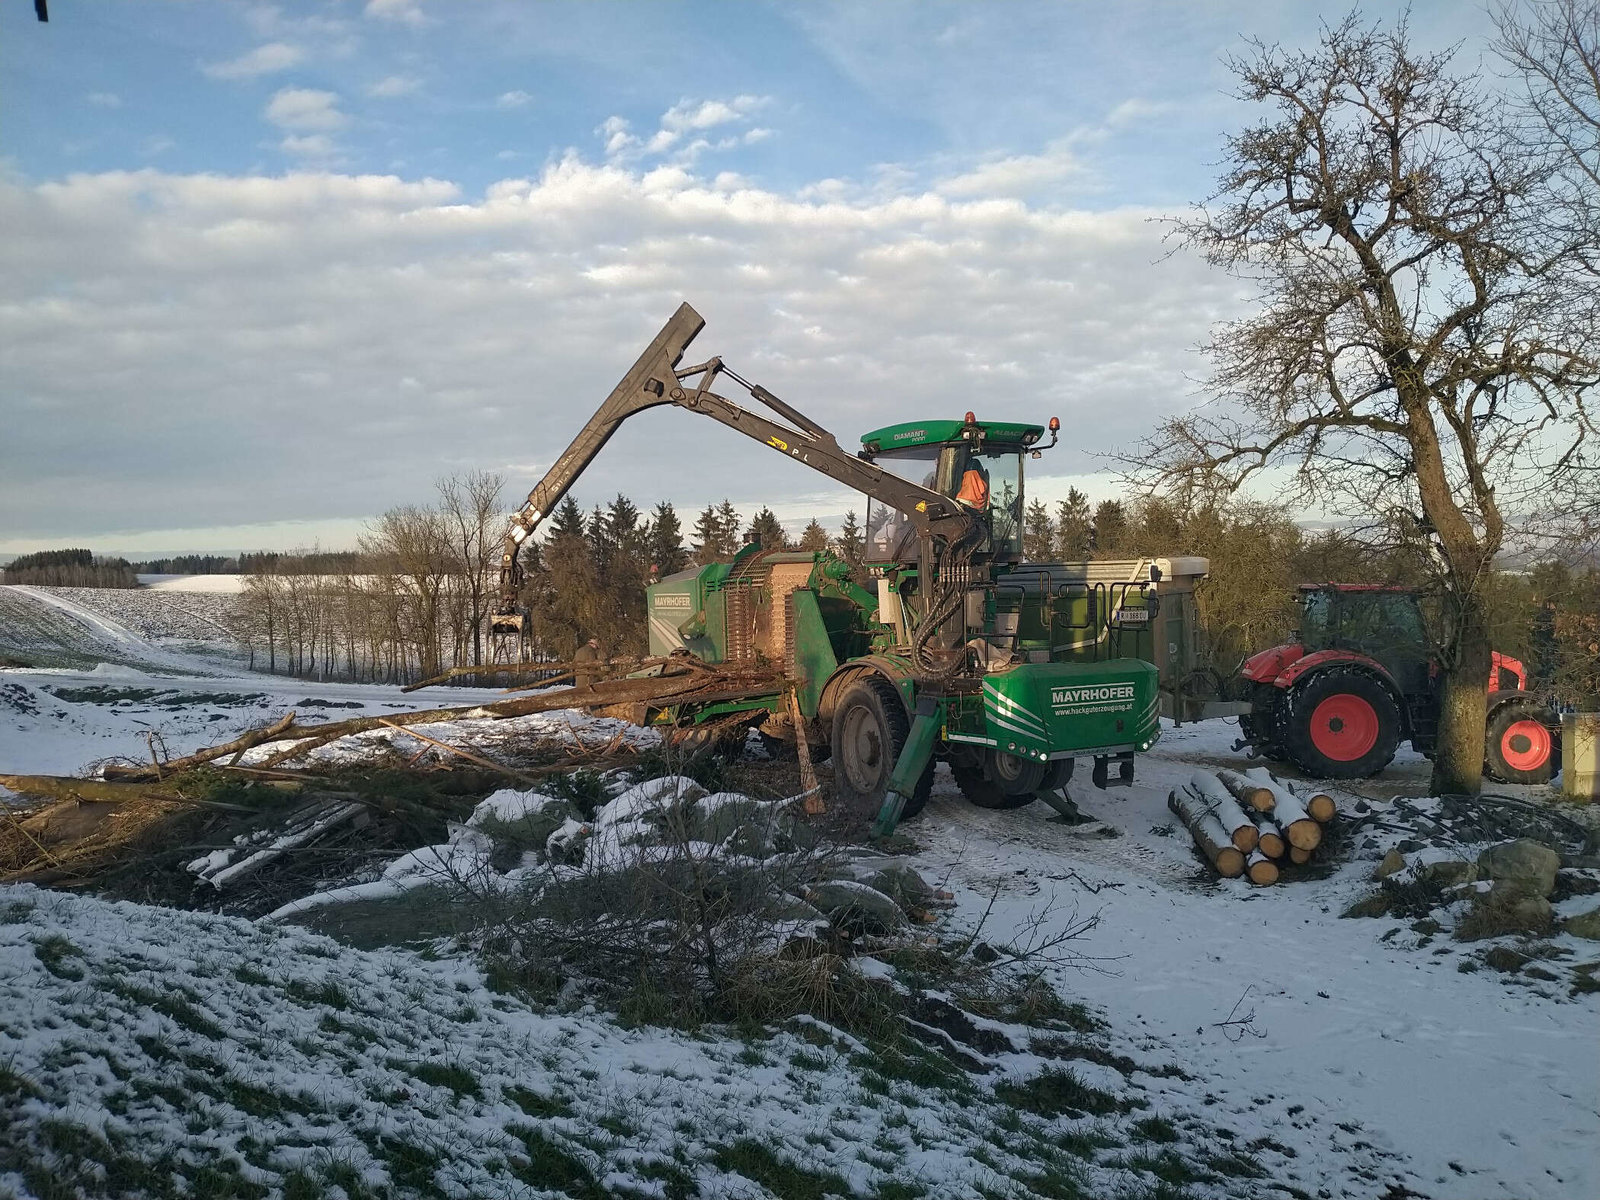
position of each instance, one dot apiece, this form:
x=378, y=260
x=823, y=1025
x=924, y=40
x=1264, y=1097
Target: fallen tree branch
x=682, y=684
x=255, y=737
x=466, y=754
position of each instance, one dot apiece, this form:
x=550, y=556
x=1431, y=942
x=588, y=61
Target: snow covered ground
x=1347, y=1057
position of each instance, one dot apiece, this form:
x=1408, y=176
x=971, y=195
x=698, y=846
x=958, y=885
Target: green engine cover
x=1059, y=710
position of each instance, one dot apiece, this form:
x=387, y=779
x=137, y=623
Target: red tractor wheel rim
x=1525, y=745
x=1344, y=727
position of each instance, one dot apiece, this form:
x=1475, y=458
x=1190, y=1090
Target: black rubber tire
x=1301, y=703
x=1057, y=775
x=1500, y=722
x=1012, y=786
x=869, y=731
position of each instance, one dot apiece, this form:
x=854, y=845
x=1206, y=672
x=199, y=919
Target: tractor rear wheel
x=996, y=779
x=1519, y=745
x=869, y=731
x=1340, y=724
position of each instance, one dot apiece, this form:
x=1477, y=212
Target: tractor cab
x=977, y=463
x=1380, y=622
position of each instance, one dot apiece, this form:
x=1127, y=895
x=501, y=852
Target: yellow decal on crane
x=778, y=442
x=922, y=506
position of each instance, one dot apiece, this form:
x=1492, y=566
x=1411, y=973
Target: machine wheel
x=998, y=779
x=869, y=730
x=1520, y=747
x=1340, y=724
x=1057, y=775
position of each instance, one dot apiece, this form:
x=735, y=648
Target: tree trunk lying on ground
x=1261, y=869
x=1249, y=793
x=1242, y=831
x=1272, y=842
x=1207, y=832
x=674, y=685
x=1290, y=814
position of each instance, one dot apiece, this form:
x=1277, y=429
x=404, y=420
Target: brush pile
x=1250, y=823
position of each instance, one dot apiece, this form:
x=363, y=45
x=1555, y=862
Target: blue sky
x=272, y=269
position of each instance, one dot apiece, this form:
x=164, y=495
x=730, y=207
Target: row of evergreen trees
x=70, y=568
x=587, y=577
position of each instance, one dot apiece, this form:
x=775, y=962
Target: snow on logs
x=1251, y=823
x=1291, y=815
x=1208, y=833
x=1241, y=830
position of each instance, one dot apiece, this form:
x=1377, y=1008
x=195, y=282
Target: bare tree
x=1415, y=352
x=470, y=505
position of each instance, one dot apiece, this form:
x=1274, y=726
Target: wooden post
x=814, y=806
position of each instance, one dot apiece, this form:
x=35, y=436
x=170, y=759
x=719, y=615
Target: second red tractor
x=1360, y=679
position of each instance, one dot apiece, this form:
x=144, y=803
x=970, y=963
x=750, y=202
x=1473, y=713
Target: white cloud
x=392, y=86
x=104, y=99
x=685, y=118
x=1136, y=111
x=1021, y=175
x=311, y=146
x=185, y=331
x=513, y=99
x=619, y=139
x=263, y=60
x=305, y=108
x=406, y=12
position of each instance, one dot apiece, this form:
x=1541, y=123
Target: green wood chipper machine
x=941, y=644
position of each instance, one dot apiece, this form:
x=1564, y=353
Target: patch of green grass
x=413, y=1168
x=1154, y=1129
x=1058, y=1092
x=677, y=1183
x=911, y=1063
x=898, y=1189
x=15, y=912
x=55, y=953
x=15, y=1085
x=1232, y=1164
x=446, y=1075
x=551, y=1165
x=328, y=993
x=1077, y=1048
x=1167, y=1166
x=785, y=1180
x=297, y=1185
x=168, y=1004
x=535, y=1105
x=351, y=1029
x=247, y=974
x=809, y=1060
x=1055, y=1183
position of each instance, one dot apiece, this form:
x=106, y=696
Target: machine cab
x=978, y=463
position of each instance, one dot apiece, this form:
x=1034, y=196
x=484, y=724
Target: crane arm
x=656, y=379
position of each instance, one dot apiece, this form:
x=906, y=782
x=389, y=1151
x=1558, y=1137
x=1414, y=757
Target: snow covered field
x=1331, y=1057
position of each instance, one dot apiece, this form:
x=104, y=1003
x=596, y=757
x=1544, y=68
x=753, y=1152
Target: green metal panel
x=814, y=659
x=1055, y=710
x=929, y=433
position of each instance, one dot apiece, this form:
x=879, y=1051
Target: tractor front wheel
x=869, y=731
x=1519, y=745
x=1340, y=724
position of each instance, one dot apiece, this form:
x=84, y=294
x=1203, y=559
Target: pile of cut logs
x=1247, y=823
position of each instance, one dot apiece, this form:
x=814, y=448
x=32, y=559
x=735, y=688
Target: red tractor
x=1359, y=679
